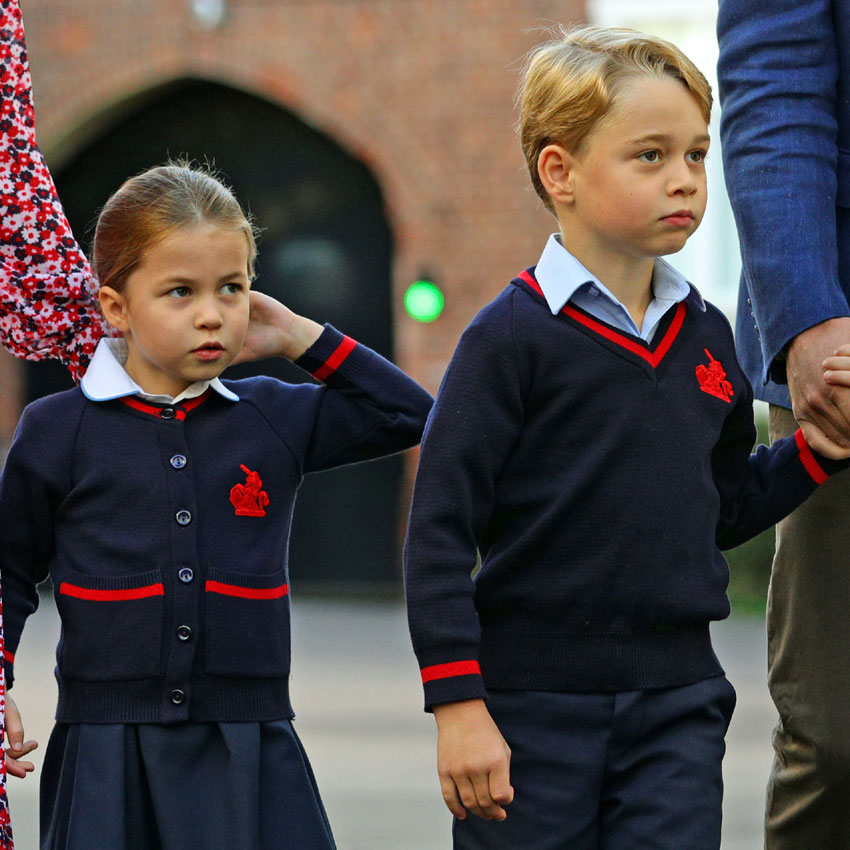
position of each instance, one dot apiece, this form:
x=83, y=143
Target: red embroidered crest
x=249, y=498
x=712, y=379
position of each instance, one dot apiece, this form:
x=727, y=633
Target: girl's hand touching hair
x=275, y=331
x=17, y=748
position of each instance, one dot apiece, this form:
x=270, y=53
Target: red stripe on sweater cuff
x=336, y=359
x=447, y=671
x=9, y=656
x=246, y=592
x=808, y=459
x=111, y=595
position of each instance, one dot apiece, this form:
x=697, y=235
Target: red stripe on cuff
x=447, y=671
x=9, y=656
x=808, y=459
x=111, y=595
x=246, y=592
x=336, y=359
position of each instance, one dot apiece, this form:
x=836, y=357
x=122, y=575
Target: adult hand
x=473, y=760
x=823, y=410
x=17, y=748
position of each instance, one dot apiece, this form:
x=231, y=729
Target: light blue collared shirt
x=106, y=378
x=563, y=278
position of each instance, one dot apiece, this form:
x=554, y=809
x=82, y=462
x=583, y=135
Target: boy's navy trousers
x=628, y=771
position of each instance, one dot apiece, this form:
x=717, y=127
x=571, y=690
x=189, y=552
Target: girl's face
x=184, y=309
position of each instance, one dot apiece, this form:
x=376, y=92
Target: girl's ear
x=554, y=167
x=113, y=304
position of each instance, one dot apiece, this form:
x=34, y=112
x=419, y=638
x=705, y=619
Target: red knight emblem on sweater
x=249, y=498
x=712, y=379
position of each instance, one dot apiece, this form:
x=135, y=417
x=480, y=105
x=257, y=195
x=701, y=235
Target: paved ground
x=356, y=691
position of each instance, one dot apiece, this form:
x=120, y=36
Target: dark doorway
x=325, y=250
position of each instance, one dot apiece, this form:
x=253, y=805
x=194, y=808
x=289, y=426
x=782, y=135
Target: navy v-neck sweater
x=597, y=478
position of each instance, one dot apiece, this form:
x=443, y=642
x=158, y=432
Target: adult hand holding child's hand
x=820, y=393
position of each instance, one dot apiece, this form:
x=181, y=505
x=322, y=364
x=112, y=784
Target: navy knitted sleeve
x=759, y=489
x=475, y=421
x=34, y=479
x=367, y=407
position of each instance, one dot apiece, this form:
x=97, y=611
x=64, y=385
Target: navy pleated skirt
x=216, y=786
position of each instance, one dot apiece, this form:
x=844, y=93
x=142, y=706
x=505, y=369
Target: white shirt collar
x=560, y=275
x=106, y=378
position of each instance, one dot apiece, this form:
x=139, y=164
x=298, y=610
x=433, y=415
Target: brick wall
x=421, y=90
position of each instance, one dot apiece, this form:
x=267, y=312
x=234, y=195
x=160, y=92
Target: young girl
x=159, y=499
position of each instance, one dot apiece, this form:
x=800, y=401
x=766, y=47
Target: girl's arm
x=366, y=408
x=47, y=304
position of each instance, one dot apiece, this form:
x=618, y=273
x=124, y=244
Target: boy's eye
x=650, y=156
x=697, y=156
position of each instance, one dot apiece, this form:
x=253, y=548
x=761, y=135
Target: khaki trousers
x=808, y=626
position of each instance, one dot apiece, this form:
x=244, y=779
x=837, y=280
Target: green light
x=423, y=301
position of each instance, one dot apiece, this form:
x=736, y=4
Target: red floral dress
x=48, y=307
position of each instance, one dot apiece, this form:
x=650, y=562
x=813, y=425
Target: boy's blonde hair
x=572, y=81
x=151, y=206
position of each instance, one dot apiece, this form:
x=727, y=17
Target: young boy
x=591, y=441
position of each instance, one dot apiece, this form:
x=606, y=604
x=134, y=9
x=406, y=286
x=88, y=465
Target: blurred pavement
x=356, y=692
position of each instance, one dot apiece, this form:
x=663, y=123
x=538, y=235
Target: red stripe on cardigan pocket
x=246, y=592
x=93, y=595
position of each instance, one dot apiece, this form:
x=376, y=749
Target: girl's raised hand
x=17, y=747
x=275, y=331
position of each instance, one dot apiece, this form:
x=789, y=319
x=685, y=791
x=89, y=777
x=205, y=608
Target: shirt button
x=178, y=697
x=167, y=413
x=178, y=461
x=184, y=632
x=183, y=517
x=185, y=575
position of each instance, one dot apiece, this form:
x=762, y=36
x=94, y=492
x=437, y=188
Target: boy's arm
x=476, y=419
x=759, y=489
x=367, y=407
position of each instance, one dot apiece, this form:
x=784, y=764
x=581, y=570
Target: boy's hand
x=17, y=748
x=473, y=760
x=275, y=331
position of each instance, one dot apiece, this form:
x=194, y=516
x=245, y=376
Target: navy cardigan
x=598, y=477
x=164, y=529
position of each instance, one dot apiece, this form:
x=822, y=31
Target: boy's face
x=184, y=309
x=638, y=186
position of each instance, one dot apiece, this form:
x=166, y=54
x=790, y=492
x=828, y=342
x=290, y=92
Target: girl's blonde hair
x=149, y=207
x=572, y=81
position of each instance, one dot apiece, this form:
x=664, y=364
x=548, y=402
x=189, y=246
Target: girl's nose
x=208, y=314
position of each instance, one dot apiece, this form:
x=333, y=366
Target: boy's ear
x=113, y=305
x=554, y=167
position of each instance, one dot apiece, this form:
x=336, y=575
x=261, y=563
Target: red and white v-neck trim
x=653, y=356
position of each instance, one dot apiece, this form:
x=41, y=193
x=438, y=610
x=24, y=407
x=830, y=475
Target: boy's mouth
x=680, y=218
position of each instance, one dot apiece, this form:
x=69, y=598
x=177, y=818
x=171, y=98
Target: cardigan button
x=178, y=697
x=168, y=413
x=185, y=575
x=178, y=461
x=183, y=517
x=184, y=632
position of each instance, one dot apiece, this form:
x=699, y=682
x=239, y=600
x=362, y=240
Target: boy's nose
x=683, y=180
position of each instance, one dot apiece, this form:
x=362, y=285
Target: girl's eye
x=231, y=288
x=650, y=156
x=180, y=292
